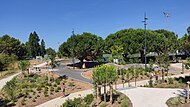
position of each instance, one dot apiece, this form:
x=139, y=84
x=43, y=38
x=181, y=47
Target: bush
x=72, y=103
x=170, y=80
x=71, y=84
x=175, y=101
x=51, y=89
x=46, y=95
x=57, y=89
x=103, y=104
x=54, y=85
x=58, y=81
x=88, y=99
x=125, y=103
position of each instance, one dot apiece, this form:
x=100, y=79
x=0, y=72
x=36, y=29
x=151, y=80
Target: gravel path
x=5, y=80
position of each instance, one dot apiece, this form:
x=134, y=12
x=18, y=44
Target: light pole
x=145, y=24
x=73, y=33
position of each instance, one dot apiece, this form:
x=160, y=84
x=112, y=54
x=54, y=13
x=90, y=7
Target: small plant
x=170, y=80
x=54, y=85
x=46, y=95
x=38, y=95
x=51, y=89
x=71, y=84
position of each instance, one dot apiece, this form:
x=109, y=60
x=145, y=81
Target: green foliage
x=71, y=84
x=10, y=89
x=82, y=46
x=23, y=65
x=175, y=101
x=33, y=45
x=11, y=46
x=72, y=103
x=6, y=60
x=42, y=48
x=171, y=81
x=88, y=99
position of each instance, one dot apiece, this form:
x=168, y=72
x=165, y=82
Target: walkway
x=149, y=97
x=5, y=80
x=139, y=96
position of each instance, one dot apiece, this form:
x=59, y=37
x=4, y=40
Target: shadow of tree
x=6, y=103
x=183, y=79
x=87, y=64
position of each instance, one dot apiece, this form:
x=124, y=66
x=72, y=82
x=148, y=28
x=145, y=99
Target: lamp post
x=145, y=24
x=73, y=49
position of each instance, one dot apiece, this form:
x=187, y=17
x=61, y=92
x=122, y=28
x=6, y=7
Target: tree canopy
x=82, y=46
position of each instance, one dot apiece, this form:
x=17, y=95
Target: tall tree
x=42, y=48
x=33, y=45
x=82, y=46
x=10, y=45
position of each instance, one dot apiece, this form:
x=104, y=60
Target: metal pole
x=73, y=49
x=145, y=24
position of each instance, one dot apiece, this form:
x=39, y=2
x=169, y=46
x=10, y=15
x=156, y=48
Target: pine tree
x=42, y=48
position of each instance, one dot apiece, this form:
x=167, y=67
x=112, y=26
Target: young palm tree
x=112, y=77
x=97, y=83
x=23, y=65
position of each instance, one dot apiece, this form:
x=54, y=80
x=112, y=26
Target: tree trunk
x=116, y=85
x=128, y=83
x=162, y=75
x=111, y=93
x=104, y=92
x=123, y=83
x=142, y=56
x=98, y=95
x=81, y=63
x=135, y=82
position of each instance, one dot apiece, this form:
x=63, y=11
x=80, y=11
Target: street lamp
x=145, y=24
x=73, y=49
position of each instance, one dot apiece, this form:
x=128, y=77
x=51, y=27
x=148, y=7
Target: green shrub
x=58, y=81
x=71, y=84
x=45, y=92
x=125, y=103
x=88, y=99
x=46, y=95
x=57, y=89
x=54, y=85
x=175, y=101
x=103, y=104
x=171, y=81
x=72, y=103
x=51, y=89
x=38, y=95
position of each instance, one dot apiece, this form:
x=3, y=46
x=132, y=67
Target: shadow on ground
x=183, y=79
x=87, y=64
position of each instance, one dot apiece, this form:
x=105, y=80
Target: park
x=94, y=53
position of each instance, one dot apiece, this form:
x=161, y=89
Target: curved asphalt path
x=71, y=73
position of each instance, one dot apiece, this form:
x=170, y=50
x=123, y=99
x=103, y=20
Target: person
x=63, y=88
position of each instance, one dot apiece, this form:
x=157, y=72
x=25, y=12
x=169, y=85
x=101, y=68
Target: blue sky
x=54, y=20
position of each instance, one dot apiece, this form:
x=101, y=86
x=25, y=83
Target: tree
x=6, y=60
x=23, y=65
x=33, y=45
x=10, y=45
x=82, y=46
x=42, y=48
x=103, y=75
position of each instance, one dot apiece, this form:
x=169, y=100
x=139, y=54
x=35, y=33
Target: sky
x=53, y=20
